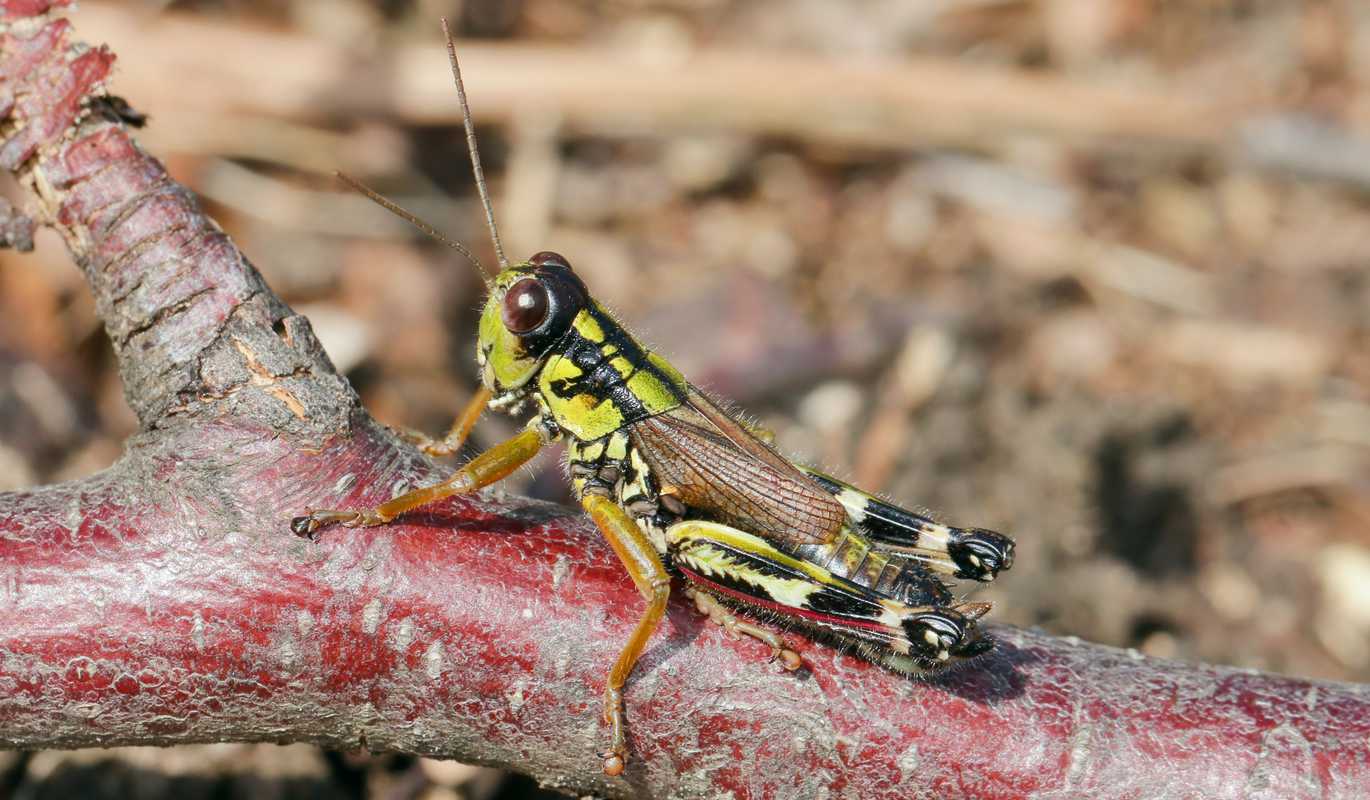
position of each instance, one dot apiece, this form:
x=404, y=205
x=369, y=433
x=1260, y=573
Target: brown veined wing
x=712, y=464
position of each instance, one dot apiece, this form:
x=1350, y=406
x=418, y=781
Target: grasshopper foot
x=710, y=607
x=304, y=526
x=788, y=658
x=308, y=524
x=613, y=763
x=616, y=757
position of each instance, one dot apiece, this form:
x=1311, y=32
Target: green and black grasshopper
x=680, y=486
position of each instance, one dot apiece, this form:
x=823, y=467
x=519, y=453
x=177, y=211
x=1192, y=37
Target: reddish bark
x=164, y=601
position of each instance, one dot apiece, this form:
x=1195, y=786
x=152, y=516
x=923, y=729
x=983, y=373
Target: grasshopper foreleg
x=456, y=436
x=483, y=470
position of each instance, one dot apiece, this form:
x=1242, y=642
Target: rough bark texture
x=164, y=601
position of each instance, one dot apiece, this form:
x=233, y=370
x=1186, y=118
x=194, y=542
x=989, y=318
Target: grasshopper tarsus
x=788, y=659
x=613, y=764
x=616, y=757
x=310, y=523
x=304, y=526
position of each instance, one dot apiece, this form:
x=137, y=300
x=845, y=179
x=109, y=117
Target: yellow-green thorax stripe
x=600, y=379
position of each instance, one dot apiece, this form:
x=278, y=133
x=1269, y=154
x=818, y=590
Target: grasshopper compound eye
x=525, y=306
x=549, y=259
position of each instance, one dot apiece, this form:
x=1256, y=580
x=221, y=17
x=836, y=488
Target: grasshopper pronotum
x=680, y=486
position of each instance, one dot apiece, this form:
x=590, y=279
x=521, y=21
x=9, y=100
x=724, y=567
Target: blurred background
x=1094, y=274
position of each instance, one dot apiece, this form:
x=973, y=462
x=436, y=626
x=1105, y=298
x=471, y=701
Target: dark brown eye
x=549, y=259
x=525, y=306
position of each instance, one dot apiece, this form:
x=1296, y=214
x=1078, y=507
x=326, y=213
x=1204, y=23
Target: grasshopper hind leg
x=717, y=612
x=747, y=572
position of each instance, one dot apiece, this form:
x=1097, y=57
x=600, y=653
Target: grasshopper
x=680, y=486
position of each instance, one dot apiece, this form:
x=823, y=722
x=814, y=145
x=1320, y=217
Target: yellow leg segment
x=645, y=568
x=483, y=470
x=455, y=437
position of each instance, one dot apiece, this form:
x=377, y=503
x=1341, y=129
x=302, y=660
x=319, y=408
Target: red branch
x=164, y=601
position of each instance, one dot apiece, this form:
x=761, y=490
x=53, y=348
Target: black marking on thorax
x=610, y=466
x=599, y=363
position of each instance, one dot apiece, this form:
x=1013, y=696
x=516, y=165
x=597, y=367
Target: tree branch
x=164, y=601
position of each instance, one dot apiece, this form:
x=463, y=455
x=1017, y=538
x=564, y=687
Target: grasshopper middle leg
x=635, y=550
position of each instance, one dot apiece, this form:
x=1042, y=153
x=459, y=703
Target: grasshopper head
x=530, y=308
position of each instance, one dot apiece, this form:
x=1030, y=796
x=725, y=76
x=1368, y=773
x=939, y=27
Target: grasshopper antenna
x=471, y=146
x=388, y=205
